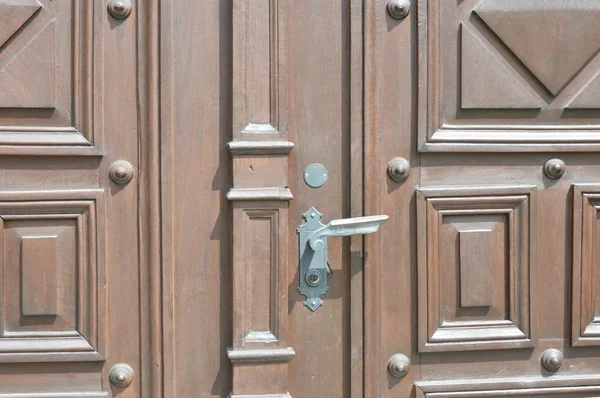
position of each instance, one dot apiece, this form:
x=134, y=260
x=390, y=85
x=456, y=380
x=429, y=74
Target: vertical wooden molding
x=259, y=92
x=356, y=191
x=150, y=242
x=372, y=204
x=260, y=200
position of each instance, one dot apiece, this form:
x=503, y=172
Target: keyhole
x=313, y=278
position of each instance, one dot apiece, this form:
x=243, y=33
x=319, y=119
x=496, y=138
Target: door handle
x=312, y=241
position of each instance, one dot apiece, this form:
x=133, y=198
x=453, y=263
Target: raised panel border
x=436, y=136
x=86, y=343
x=585, y=323
x=519, y=203
x=78, y=139
x=513, y=387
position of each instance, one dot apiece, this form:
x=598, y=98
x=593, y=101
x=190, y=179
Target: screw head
x=121, y=172
x=399, y=365
x=120, y=9
x=398, y=169
x=398, y=9
x=552, y=360
x=121, y=375
x=554, y=168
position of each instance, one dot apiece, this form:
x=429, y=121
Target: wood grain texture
x=64, y=323
x=466, y=105
x=194, y=159
x=486, y=82
x=260, y=194
x=553, y=39
x=358, y=90
x=585, y=326
x=476, y=257
x=49, y=79
x=443, y=216
x=320, y=118
x=39, y=267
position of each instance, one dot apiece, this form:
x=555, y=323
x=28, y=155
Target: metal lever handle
x=346, y=227
x=312, y=241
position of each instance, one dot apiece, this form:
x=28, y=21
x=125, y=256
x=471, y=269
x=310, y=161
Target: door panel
x=502, y=256
x=69, y=237
x=320, y=88
x=486, y=261
x=495, y=75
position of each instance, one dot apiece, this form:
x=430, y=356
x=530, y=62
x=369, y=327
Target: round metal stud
x=552, y=360
x=554, y=168
x=121, y=375
x=121, y=172
x=119, y=9
x=315, y=175
x=398, y=169
x=399, y=365
x=313, y=278
x=398, y=9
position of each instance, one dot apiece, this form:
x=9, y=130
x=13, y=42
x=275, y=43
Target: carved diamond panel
x=50, y=267
x=475, y=268
x=586, y=248
x=46, y=77
x=555, y=39
x=509, y=75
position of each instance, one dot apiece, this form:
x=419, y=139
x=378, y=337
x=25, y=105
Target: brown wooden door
x=488, y=258
x=74, y=289
x=487, y=265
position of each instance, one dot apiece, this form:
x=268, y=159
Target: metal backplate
x=313, y=264
x=315, y=175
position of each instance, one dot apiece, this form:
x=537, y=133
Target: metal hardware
x=398, y=169
x=398, y=9
x=315, y=175
x=119, y=9
x=552, y=359
x=554, y=169
x=399, y=365
x=312, y=240
x=121, y=375
x=121, y=172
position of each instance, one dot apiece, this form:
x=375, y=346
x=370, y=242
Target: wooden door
x=493, y=291
x=483, y=277
x=74, y=257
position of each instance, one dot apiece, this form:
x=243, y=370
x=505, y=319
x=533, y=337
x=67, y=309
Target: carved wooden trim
x=511, y=209
x=259, y=194
x=493, y=124
x=585, y=322
x=514, y=387
x=58, y=395
x=287, y=395
x=259, y=83
x=260, y=147
x=149, y=180
x=259, y=354
x=85, y=209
